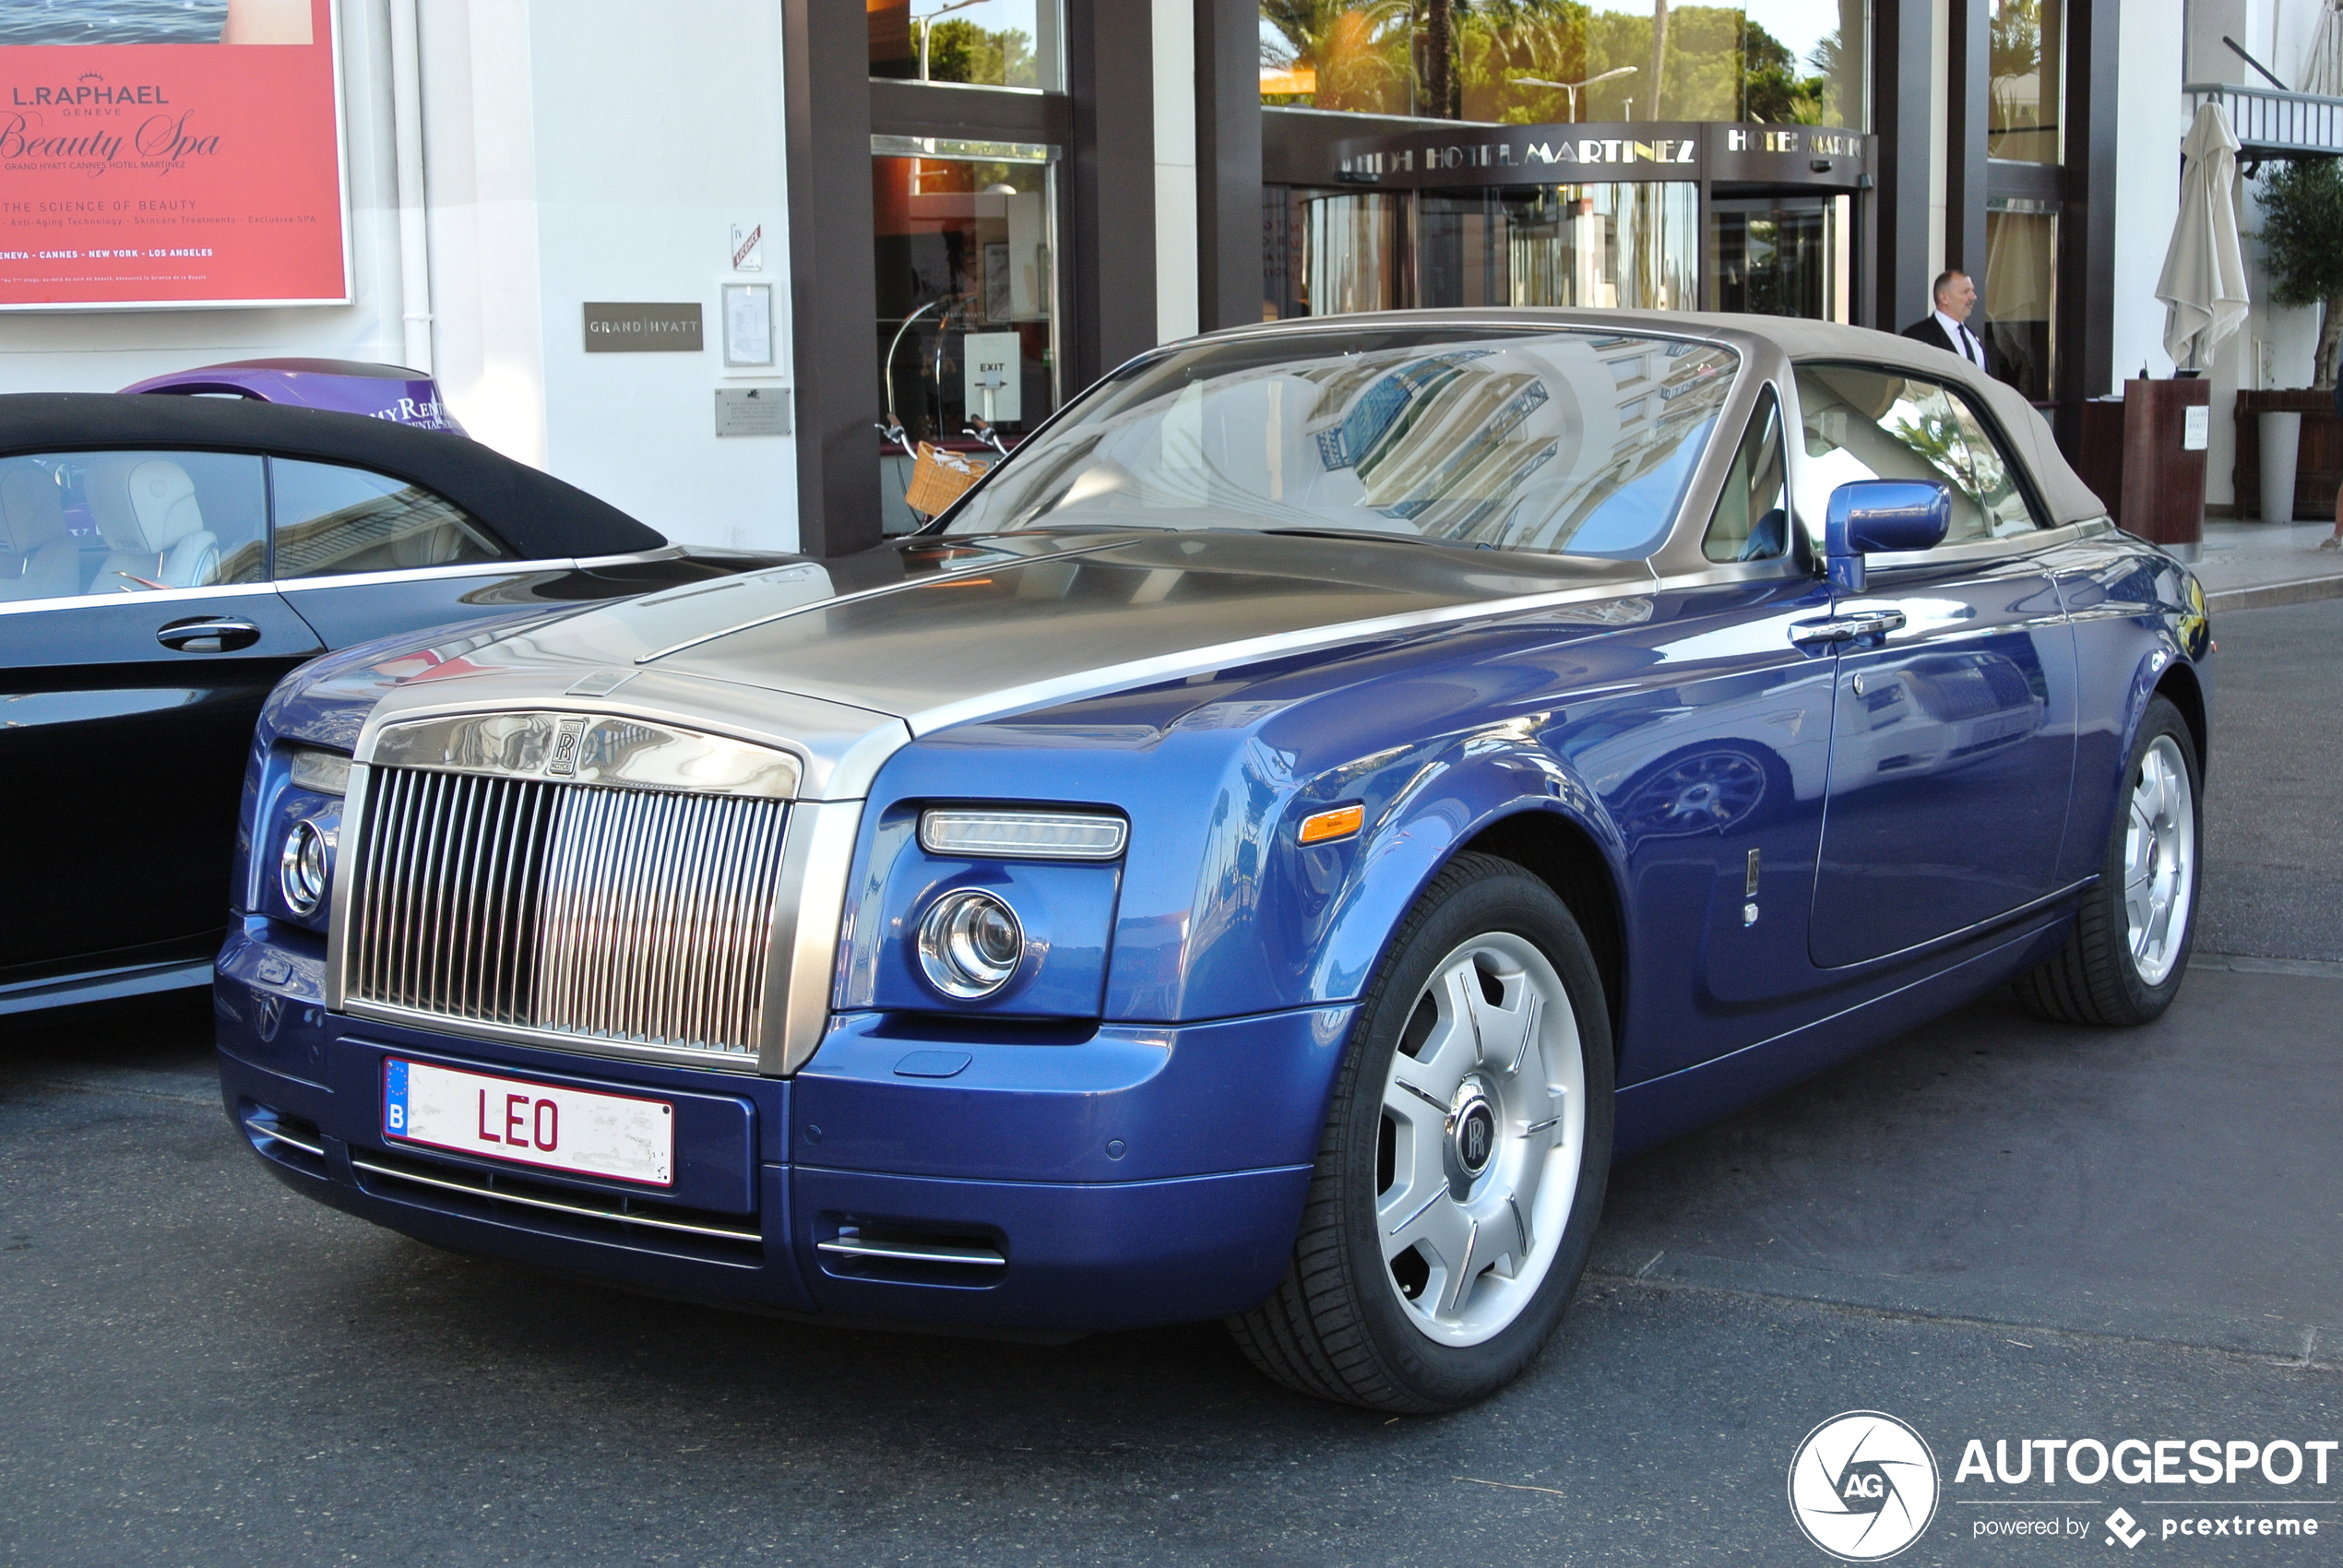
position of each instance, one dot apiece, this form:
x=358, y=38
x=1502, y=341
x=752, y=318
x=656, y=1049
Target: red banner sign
x=202, y=170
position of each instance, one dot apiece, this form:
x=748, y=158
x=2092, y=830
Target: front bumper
x=1144, y=1175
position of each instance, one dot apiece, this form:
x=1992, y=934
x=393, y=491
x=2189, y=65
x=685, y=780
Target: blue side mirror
x=1881, y=515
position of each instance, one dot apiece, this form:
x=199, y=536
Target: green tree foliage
x=1369, y=55
x=961, y=51
x=2303, y=245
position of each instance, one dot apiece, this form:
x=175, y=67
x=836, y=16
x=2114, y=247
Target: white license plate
x=578, y=1130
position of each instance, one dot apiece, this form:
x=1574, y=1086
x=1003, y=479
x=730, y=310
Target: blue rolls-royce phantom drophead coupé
x=1262, y=855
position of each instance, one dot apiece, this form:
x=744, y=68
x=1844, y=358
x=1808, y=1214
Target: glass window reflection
x=1612, y=246
x=2024, y=94
x=1537, y=62
x=978, y=43
x=76, y=523
x=2021, y=291
x=1871, y=424
x=1575, y=442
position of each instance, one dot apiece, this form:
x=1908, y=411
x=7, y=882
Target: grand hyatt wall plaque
x=642, y=328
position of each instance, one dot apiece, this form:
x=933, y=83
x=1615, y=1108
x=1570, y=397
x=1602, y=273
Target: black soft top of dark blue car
x=536, y=513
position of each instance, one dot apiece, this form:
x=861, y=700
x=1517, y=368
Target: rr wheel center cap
x=1473, y=1131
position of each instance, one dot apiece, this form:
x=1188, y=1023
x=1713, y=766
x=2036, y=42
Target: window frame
x=2046, y=527
x=511, y=558
x=92, y=595
x=1768, y=398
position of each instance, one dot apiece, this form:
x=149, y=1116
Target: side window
x=74, y=523
x=1865, y=423
x=1752, y=519
x=332, y=520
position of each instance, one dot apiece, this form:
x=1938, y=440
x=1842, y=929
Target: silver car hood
x=931, y=633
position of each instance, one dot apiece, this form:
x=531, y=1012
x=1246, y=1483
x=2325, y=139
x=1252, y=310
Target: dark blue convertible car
x=1262, y=855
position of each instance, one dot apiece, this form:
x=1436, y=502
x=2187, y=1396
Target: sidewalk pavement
x=2256, y=565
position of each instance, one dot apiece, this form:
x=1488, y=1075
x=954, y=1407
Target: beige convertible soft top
x=2068, y=498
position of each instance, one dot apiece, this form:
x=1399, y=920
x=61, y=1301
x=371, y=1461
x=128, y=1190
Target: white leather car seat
x=37, y=556
x=146, y=508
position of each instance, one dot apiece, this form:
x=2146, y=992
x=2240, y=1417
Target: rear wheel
x=1463, y=1162
x=2124, y=960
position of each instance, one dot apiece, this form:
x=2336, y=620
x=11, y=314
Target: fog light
x=304, y=867
x=969, y=944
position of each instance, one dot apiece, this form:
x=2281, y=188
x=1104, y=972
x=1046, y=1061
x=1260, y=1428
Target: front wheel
x=2124, y=960
x=1463, y=1162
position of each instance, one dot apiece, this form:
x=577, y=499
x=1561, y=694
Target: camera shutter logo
x=1862, y=1486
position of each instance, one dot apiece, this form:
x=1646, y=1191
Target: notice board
x=171, y=152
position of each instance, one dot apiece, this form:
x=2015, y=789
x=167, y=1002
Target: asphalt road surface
x=1991, y=1229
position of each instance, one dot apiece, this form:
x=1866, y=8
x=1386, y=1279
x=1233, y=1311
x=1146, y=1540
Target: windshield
x=1568, y=440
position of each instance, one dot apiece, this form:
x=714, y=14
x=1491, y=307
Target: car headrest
x=144, y=506
x=31, y=511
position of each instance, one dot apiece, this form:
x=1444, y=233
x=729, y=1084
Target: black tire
x=2093, y=979
x=1334, y=1327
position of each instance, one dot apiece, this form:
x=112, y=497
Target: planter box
x=2317, y=470
x=2135, y=456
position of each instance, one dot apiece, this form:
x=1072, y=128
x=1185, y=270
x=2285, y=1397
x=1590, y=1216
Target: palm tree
x=1357, y=50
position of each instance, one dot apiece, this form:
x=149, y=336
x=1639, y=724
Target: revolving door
x=1642, y=216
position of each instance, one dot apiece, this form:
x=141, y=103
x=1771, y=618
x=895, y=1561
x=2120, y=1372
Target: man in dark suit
x=1947, y=327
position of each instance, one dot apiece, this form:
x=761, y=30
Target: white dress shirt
x=1963, y=338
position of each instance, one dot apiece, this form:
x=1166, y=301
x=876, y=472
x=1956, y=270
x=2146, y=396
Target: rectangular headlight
x=1029, y=836
x=321, y=773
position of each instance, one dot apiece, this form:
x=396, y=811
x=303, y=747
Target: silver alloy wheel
x=1484, y=1118
x=2160, y=861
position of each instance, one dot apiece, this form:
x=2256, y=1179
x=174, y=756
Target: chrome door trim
x=2007, y=546
x=424, y=575
x=144, y=596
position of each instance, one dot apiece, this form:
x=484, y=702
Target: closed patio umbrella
x=2322, y=68
x=2203, y=286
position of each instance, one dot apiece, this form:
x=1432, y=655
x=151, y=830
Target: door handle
x=1856, y=625
x=208, y=633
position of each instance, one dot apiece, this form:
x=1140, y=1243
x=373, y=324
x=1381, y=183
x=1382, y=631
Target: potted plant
x=2302, y=252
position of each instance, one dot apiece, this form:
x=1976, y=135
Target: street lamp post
x=1571, y=87
x=927, y=25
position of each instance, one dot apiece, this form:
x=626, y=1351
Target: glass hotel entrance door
x=966, y=336
x=1635, y=216
x=1788, y=255
x=1610, y=246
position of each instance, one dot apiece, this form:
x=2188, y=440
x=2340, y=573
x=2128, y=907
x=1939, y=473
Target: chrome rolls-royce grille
x=616, y=916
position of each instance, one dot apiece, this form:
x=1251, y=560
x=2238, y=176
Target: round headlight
x=969, y=944
x=304, y=867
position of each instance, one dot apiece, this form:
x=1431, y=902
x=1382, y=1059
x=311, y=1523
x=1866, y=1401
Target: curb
x=2271, y=595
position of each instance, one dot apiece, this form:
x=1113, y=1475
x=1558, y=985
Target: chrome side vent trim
x=449, y=1180
x=850, y=1242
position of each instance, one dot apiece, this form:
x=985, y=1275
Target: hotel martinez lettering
x=1567, y=154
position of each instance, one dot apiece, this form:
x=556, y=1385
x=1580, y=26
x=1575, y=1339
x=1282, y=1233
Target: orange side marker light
x=1340, y=823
